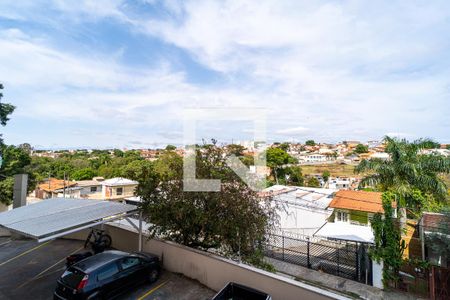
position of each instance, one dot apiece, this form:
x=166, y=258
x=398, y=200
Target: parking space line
x=7, y=242
x=24, y=253
x=152, y=290
x=49, y=268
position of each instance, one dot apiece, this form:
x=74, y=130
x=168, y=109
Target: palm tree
x=407, y=171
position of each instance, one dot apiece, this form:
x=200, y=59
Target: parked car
x=106, y=275
x=237, y=291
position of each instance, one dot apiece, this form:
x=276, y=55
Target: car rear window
x=72, y=277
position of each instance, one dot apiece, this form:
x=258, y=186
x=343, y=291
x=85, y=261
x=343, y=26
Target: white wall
x=214, y=271
x=300, y=219
x=377, y=274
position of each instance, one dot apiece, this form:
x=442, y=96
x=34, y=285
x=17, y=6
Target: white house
x=118, y=188
x=315, y=157
x=380, y=155
x=340, y=183
x=301, y=210
x=91, y=188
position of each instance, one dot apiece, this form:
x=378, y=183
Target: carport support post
x=140, y=231
x=20, y=190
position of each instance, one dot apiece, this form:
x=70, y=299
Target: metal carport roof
x=52, y=218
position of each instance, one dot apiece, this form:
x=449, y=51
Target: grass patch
x=334, y=169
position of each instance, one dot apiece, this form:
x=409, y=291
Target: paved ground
x=337, y=284
x=29, y=270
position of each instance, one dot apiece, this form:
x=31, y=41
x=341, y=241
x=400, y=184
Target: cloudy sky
x=121, y=73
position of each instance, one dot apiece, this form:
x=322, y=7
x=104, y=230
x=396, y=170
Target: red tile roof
x=434, y=221
x=358, y=200
x=55, y=184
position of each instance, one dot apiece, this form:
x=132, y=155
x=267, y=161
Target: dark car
x=237, y=291
x=106, y=275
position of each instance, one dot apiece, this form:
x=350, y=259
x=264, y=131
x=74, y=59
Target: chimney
x=20, y=190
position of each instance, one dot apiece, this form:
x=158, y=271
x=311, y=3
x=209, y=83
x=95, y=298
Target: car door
x=131, y=270
x=108, y=279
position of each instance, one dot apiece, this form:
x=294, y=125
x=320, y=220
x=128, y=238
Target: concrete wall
x=214, y=271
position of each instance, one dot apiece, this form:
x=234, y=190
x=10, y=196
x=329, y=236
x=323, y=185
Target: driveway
x=29, y=270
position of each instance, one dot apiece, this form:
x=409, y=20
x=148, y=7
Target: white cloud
x=337, y=68
x=294, y=131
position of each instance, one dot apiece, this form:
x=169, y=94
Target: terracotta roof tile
x=358, y=200
x=434, y=221
x=55, y=184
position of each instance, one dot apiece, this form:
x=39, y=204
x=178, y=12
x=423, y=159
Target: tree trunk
x=402, y=218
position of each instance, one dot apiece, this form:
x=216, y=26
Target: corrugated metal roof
x=57, y=215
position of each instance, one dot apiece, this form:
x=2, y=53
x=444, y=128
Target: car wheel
x=154, y=275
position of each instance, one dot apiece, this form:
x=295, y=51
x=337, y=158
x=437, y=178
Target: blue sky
x=120, y=73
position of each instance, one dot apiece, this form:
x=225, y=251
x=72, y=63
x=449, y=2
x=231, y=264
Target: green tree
x=168, y=166
x=6, y=190
x=294, y=176
x=284, y=146
x=15, y=161
x=389, y=245
x=429, y=144
x=118, y=153
x=134, y=169
x=406, y=171
x=232, y=221
x=132, y=154
x=5, y=110
x=360, y=148
x=83, y=174
x=313, y=182
x=326, y=175
x=171, y=148
x=310, y=143
x=234, y=149
x=247, y=160
x=26, y=147
x=276, y=158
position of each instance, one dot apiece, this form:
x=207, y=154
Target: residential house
x=352, y=215
x=118, y=188
x=315, y=158
x=435, y=228
x=150, y=154
x=68, y=192
x=91, y=189
x=380, y=155
x=443, y=152
x=53, y=187
x=341, y=183
x=301, y=210
x=351, y=144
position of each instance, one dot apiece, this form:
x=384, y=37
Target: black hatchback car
x=106, y=275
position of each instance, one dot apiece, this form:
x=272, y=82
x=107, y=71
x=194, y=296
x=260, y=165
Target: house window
x=119, y=191
x=93, y=189
x=341, y=216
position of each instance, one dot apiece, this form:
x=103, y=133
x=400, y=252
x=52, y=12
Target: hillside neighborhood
x=322, y=211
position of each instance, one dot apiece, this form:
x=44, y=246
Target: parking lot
x=29, y=270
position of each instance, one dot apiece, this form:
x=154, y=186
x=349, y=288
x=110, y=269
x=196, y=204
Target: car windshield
x=72, y=277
